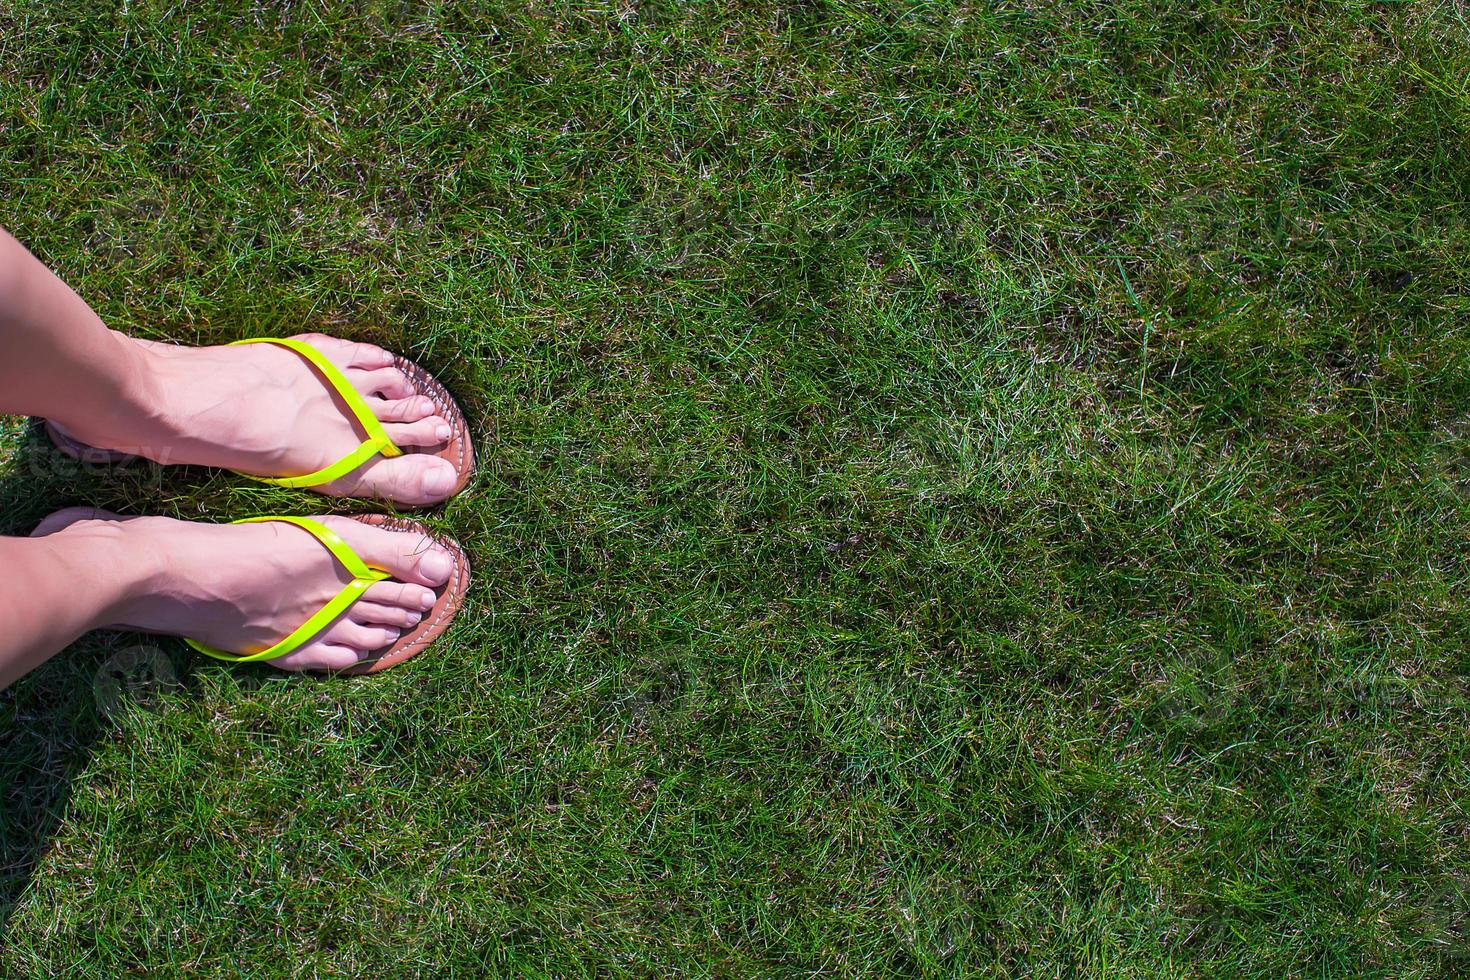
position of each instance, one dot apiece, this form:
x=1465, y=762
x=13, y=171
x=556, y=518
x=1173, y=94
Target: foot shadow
x=50, y=723
x=52, y=719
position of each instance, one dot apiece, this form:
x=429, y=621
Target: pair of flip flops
x=376, y=442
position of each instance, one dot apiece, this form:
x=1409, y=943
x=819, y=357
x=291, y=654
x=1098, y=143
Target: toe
x=402, y=409
x=319, y=655
x=361, y=637
x=386, y=381
x=406, y=595
x=346, y=353
x=408, y=556
x=432, y=431
x=373, y=614
x=369, y=357
x=414, y=480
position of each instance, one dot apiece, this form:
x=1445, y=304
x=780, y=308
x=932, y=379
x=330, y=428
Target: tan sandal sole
x=459, y=451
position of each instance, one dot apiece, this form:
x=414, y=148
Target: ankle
x=143, y=384
x=133, y=415
x=121, y=565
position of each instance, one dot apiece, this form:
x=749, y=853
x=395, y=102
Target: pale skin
x=257, y=409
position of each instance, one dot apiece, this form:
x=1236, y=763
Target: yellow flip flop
x=447, y=598
x=377, y=442
x=457, y=451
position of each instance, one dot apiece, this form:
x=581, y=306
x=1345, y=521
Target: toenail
x=442, y=433
x=427, y=600
x=436, y=565
x=438, y=480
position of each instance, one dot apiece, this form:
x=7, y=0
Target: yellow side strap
x=363, y=575
x=377, y=441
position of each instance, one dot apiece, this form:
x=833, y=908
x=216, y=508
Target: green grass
x=966, y=488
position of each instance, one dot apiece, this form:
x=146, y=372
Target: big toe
x=320, y=654
x=414, y=479
x=409, y=556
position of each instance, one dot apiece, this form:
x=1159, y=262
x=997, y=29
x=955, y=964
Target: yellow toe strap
x=363, y=575
x=377, y=441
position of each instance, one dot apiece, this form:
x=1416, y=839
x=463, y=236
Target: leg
x=56, y=590
x=235, y=586
x=256, y=409
x=57, y=359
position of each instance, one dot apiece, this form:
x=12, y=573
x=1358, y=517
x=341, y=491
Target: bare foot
x=242, y=587
x=262, y=409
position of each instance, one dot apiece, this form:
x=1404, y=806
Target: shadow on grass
x=52, y=719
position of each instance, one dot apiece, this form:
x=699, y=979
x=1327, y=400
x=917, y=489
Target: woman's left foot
x=264, y=410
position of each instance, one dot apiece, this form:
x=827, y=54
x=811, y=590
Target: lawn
x=966, y=488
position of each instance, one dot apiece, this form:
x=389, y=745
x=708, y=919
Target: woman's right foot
x=243, y=587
